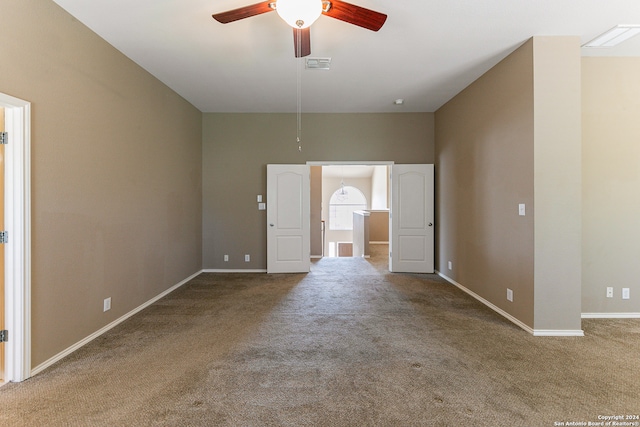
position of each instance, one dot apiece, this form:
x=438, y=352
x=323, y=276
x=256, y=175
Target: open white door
x=17, y=275
x=411, y=242
x=288, y=212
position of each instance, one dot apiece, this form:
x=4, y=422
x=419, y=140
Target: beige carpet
x=347, y=345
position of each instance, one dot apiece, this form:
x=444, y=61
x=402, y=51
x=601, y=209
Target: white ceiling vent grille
x=318, y=63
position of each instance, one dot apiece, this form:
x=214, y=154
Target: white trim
x=316, y=256
x=18, y=250
x=558, y=333
x=379, y=243
x=44, y=365
x=611, y=315
x=534, y=332
x=231, y=270
x=348, y=163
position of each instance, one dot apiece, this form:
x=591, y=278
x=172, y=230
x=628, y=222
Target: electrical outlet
x=609, y=292
x=247, y=258
x=450, y=265
x=509, y=295
x=106, y=306
x=625, y=293
x=226, y=258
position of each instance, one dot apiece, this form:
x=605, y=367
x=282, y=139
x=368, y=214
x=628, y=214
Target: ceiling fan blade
x=302, y=41
x=244, y=12
x=355, y=15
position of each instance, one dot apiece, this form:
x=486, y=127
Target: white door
x=17, y=219
x=288, y=212
x=411, y=221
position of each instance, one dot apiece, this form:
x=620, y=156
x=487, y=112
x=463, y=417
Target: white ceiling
x=426, y=52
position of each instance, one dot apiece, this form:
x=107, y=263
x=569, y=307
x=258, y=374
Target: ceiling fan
x=300, y=14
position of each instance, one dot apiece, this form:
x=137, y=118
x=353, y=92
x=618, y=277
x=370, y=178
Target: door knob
x=430, y=224
x=270, y=225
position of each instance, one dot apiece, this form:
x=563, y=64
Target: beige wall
x=316, y=211
x=484, y=169
x=237, y=148
x=513, y=137
x=116, y=175
x=380, y=187
x=611, y=177
x=557, y=183
x=379, y=226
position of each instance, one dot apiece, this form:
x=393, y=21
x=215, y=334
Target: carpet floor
x=348, y=344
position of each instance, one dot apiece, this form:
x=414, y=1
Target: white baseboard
x=558, y=333
x=231, y=270
x=534, y=332
x=378, y=243
x=611, y=315
x=44, y=365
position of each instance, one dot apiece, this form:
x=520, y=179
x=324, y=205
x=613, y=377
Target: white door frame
x=349, y=163
x=18, y=250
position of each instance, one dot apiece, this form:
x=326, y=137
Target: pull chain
x=299, y=90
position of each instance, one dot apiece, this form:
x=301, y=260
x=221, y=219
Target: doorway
x=290, y=229
x=349, y=188
x=17, y=249
x=371, y=178
x=410, y=200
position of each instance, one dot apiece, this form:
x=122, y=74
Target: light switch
x=262, y=206
x=259, y=198
x=521, y=209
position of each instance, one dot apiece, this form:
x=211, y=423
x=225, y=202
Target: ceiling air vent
x=318, y=63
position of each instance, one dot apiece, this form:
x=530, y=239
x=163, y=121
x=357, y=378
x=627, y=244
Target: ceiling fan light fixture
x=299, y=13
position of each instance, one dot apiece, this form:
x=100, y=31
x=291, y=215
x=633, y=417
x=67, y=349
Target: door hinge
x=4, y=237
x=4, y=137
x=4, y=336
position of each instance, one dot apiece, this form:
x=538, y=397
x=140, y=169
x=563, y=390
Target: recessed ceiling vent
x=318, y=63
